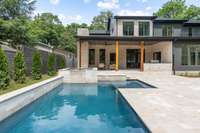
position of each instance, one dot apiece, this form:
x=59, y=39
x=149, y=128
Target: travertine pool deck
x=173, y=107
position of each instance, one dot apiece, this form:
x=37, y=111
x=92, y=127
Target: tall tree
x=193, y=12
x=19, y=68
x=4, y=71
x=15, y=32
x=177, y=9
x=47, y=28
x=172, y=9
x=11, y=9
x=99, y=22
x=68, y=36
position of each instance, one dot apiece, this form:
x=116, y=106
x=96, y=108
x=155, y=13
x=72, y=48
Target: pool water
x=129, y=84
x=76, y=108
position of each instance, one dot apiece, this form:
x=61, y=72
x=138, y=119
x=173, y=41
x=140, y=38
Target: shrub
x=19, y=68
x=62, y=63
x=36, y=66
x=51, y=64
x=4, y=70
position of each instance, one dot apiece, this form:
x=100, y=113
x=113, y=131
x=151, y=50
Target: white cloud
x=55, y=2
x=143, y=1
x=69, y=19
x=125, y=12
x=148, y=8
x=108, y=4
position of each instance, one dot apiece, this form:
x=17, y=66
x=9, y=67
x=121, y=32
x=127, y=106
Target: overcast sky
x=82, y=11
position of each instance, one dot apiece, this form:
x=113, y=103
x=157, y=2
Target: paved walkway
x=174, y=107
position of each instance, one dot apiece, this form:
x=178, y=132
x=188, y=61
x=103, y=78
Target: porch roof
x=128, y=38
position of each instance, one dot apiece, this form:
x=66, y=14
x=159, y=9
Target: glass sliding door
x=191, y=55
x=132, y=58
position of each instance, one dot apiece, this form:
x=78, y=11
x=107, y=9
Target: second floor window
x=128, y=28
x=167, y=30
x=144, y=28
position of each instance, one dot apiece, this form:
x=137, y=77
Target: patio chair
x=101, y=66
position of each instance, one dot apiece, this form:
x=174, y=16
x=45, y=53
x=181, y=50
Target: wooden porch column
x=117, y=55
x=142, y=56
x=80, y=55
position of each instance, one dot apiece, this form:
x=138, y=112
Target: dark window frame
x=167, y=30
x=102, y=56
x=157, y=56
x=128, y=28
x=92, y=56
x=112, y=58
x=144, y=28
x=190, y=31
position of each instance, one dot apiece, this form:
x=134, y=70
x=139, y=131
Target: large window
x=144, y=28
x=191, y=55
x=128, y=28
x=102, y=56
x=91, y=56
x=167, y=30
x=157, y=56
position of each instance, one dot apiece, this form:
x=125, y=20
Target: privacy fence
x=45, y=51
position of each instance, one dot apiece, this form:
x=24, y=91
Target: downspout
x=173, y=61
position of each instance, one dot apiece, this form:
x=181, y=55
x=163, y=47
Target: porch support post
x=80, y=56
x=142, y=56
x=117, y=55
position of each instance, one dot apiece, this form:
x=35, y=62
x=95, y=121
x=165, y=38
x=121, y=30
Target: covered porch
x=148, y=55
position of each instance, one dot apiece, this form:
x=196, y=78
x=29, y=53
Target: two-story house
x=147, y=43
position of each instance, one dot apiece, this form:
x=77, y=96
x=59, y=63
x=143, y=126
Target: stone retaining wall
x=16, y=100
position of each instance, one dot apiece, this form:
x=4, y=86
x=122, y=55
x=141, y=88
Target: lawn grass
x=29, y=81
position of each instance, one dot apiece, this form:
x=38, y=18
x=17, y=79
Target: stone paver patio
x=173, y=107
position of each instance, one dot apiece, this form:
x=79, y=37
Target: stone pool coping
x=12, y=102
x=173, y=107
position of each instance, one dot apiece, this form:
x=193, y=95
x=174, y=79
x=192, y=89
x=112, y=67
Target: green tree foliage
x=47, y=28
x=51, y=65
x=36, y=66
x=177, y=9
x=172, y=9
x=11, y=9
x=68, y=36
x=193, y=12
x=19, y=68
x=4, y=72
x=62, y=63
x=15, y=32
x=14, y=17
x=99, y=22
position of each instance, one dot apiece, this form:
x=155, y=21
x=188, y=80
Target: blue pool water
x=76, y=108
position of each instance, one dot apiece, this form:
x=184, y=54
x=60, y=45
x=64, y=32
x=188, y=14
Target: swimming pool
x=76, y=108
